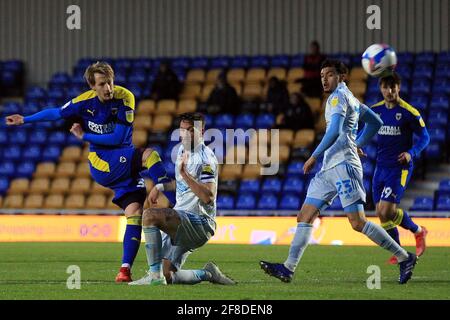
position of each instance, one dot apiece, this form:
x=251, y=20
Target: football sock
x=406, y=221
x=157, y=172
x=298, y=245
x=153, y=246
x=393, y=232
x=190, y=276
x=378, y=235
x=131, y=240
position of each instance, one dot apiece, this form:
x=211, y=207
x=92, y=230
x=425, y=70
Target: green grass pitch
x=38, y=271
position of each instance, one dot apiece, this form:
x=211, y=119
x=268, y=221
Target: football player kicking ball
x=106, y=114
x=191, y=223
x=395, y=155
x=341, y=174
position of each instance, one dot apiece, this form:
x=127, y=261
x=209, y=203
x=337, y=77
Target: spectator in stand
x=312, y=85
x=277, y=96
x=223, y=98
x=166, y=84
x=297, y=115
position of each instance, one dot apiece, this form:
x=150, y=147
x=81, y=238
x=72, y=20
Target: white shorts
x=344, y=180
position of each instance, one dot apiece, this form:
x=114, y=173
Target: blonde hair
x=98, y=67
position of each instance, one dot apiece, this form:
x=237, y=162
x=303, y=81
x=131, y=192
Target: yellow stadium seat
x=236, y=75
x=186, y=105
x=65, y=169
x=284, y=152
x=96, y=201
x=85, y=153
x=75, y=201
x=357, y=74
x=251, y=171
x=211, y=76
x=294, y=87
x=162, y=122
x=34, y=201
x=111, y=205
x=321, y=124
x=252, y=91
x=166, y=106
x=99, y=189
x=146, y=107
x=237, y=154
x=295, y=74
x=195, y=76
x=80, y=185
x=60, y=186
x=231, y=171
x=357, y=87
x=71, y=153
x=255, y=75
x=45, y=169
x=14, y=201
x=83, y=170
x=237, y=86
x=277, y=72
x=140, y=138
x=191, y=91
x=54, y=201
x=206, y=91
x=286, y=136
x=1, y=202
x=19, y=186
x=304, y=138
x=143, y=122
x=315, y=104
x=40, y=185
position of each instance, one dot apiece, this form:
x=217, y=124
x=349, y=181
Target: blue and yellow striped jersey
x=101, y=118
x=396, y=134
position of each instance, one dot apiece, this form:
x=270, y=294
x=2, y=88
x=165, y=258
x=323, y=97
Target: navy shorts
x=389, y=183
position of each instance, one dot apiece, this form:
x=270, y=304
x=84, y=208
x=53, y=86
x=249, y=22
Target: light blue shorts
x=344, y=180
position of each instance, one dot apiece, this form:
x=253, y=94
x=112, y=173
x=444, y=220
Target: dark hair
x=336, y=64
x=192, y=117
x=390, y=80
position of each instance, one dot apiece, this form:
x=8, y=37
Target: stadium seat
x=212, y=75
x=244, y=121
x=265, y=121
x=289, y=202
x=225, y=202
x=252, y=91
x=443, y=203
x=96, y=201
x=279, y=73
x=191, y=91
x=281, y=61
x=146, y=107
x=33, y=201
x=249, y=185
x=284, y=152
x=199, y=63
x=82, y=170
x=186, y=105
x=236, y=75
x=437, y=135
x=51, y=153
x=286, y=136
x=161, y=122
x=99, y=189
x=19, y=186
x=231, y=171
x=166, y=107
x=13, y=201
x=246, y=201
x=7, y=169
x=12, y=153
x=224, y=121
x=74, y=201
x=251, y=171
x=39, y=185
x=294, y=184
x=60, y=186
x=140, y=138
x=71, y=154
x=25, y=169
x=206, y=91
x=423, y=204
x=44, y=170
x=295, y=168
x=255, y=75
x=357, y=74
x=80, y=186
x=267, y=201
x=304, y=138
x=38, y=137
x=440, y=101
x=315, y=105
x=295, y=74
x=297, y=60
x=294, y=87
x=18, y=137
x=54, y=201
x=444, y=185
x=4, y=185
x=65, y=169
x=142, y=122
x=433, y=150
x=272, y=185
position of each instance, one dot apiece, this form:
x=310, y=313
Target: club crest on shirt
x=398, y=116
x=334, y=101
x=129, y=116
x=114, y=111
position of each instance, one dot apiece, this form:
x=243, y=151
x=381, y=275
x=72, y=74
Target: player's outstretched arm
x=44, y=115
x=373, y=124
x=116, y=138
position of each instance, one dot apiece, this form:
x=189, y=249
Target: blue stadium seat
x=294, y=184
x=249, y=185
x=30, y=108
x=36, y=93
x=425, y=57
x=443, y=203
x=3, y=138
x=51, y=153
x=244, y=121
x=225, y=202
x=265, y=121
x=246, y=201
x=405, y=57
x=433, y=150
x=271, y=185
x=7, y=169
x=123, y=63
x=13, y=65
x=224, y=121
x=297, y=61
x=61, y=78
x=419, y=101
x=220, y=62
x=18, y=136
x=137, y=77
x=170, y=169
x=423, y=204
x=289, y=202
x=11, y=108
x=295, y=168
x=442, y=71
x=181, y=62
x=13, y=153
x=8, y=78
x=240, y=62
x=441, y=86
x=439, y=101
x=260, y=62
x=4, y=185
x=437, y=134
x=142, y=64
x=199, y=63
x=80, y=81
x=444, y=56
x=280, y=61
x=268, y=201
x=25, y=169
x=56, y=94
x=421, y=86
x=57, y=137
x=405, y=71
x=444, y=185
x=32, y=153
x=73, y=141
x=438, y=119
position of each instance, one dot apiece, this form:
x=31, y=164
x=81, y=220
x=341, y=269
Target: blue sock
x=394, y=234
x=153, y=248
x=157, y=172
x=406, y=221
x=298, y=245
x=131, y=239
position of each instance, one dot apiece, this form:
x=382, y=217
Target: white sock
x=190, y=276
x=298, y=245
x=419, y=230
x=153, y=248
x=125, y=265
x=378, y=235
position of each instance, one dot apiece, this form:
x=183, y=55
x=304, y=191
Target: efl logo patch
x=129, y=116
x=398, y=116
x=334, y=102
